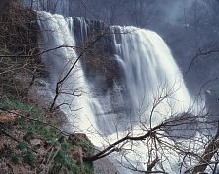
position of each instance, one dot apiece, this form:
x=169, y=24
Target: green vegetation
x=31, y=140
x=39, y=145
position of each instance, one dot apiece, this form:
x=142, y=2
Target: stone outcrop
x=77, y=154
x=101, y=66
x=98, y=61
x=83, y=146
x=18, y=48
x=9, y=116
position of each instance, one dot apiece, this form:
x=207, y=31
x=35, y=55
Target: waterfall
x=74, y=92
x=151, y=80
x=151, y=74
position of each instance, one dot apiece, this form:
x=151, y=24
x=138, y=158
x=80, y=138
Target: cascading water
x=73, y=92
x=151, y=75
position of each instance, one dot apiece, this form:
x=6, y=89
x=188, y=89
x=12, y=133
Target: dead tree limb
x=201, y=53
x=208, y=153
x=112, y=147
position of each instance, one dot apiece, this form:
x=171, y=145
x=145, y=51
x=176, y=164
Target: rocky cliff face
x=95, y=40
x=21, y=144
x=18, y=45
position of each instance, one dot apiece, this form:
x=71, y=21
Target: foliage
x=24, y=154
x=55, y=145
x=85, y=143
x=34, y=141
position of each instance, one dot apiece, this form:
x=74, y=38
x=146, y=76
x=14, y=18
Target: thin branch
x=32, y=119
x=201, y=53
x=208, y=153
x=127, y=137
x=15, y=139
x=59, y=83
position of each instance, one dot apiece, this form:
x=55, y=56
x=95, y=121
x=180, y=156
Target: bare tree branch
x=127, y=137
x=201, y=53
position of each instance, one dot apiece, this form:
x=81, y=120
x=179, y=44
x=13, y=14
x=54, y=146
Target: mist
x=187, y=26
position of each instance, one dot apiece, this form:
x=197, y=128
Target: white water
x=74, y=93
x=150, y=72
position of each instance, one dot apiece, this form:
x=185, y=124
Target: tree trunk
x=210, y=150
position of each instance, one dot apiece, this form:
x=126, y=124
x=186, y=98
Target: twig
x=29, y=118
x=15, y=139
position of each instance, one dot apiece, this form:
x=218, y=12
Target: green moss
x=57, y=146
x=24, y=154
x=15, y=158
x=21, y=146
x=29, y=157
x=56, y=149
x=9, y=103
x=85, y=143
x=87, y=168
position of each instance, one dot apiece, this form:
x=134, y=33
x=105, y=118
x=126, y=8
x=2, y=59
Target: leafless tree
x=160, y=140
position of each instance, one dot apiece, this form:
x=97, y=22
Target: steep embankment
x=31, y=140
